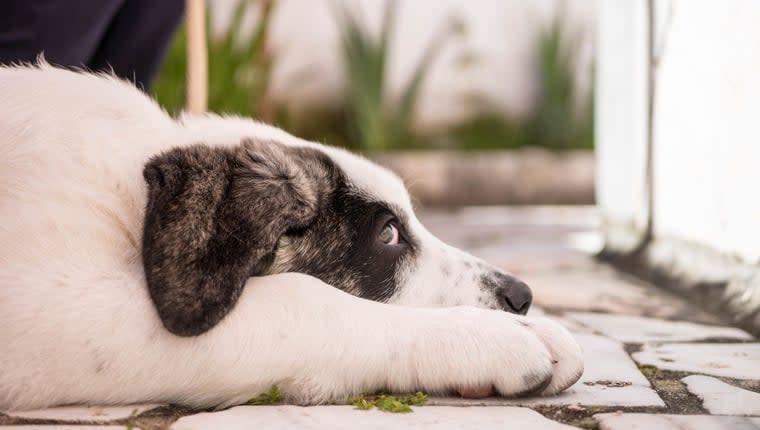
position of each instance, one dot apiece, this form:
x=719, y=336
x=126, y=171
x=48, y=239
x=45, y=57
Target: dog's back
x=72, y=148
x=71, y=153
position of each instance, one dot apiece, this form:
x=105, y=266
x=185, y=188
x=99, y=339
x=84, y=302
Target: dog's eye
x=389, y=234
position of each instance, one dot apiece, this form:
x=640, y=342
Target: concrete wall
x=621, y=119
x=701, y=235
x=494, y=61
x=706, y=128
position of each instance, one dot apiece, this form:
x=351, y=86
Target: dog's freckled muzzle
x=512, y=294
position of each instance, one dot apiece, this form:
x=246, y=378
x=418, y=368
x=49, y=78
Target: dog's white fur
x=77, y=324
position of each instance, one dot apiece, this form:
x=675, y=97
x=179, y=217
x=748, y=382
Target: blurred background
x=466, y=99
x=646, y=109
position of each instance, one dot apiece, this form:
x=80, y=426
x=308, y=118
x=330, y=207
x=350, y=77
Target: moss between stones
x=268, y=398
x=672, y=391
x=583, y=416
x=388, y=403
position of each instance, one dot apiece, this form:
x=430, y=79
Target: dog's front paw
x=567, y=357
x=489, y=351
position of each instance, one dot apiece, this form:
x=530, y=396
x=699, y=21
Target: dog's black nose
x=513, y=294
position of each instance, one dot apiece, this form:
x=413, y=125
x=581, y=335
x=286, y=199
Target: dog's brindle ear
x=213, y=219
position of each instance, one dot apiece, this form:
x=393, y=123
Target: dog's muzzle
x=512, y=294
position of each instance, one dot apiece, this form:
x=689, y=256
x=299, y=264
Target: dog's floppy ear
x=213, y=219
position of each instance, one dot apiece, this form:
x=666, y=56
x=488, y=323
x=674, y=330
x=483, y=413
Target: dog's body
x=80, y=324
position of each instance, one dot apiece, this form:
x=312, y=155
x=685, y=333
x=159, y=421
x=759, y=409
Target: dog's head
x=219, y=215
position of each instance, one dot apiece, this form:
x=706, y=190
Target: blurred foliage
x=240, y=68
x=375, y=123
x=562, y=118
x=485, y=131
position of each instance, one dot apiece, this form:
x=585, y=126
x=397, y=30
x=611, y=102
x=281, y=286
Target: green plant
x=563, y=118
x=239, y=68
x=268, y=398
x=375, y=124
x=170, y=86
x=388, y=403
x=488, y=130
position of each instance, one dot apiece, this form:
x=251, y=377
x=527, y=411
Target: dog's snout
x=512, y=294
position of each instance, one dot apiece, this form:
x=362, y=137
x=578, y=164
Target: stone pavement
x=653, y=361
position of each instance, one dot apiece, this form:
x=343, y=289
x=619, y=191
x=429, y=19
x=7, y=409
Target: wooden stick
x=197, y=57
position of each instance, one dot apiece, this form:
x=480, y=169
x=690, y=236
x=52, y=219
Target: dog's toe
x=567, y=357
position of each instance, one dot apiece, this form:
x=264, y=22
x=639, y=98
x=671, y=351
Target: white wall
x=621, y=119
x=707, y=135
x=500, y=38
x=706, y=128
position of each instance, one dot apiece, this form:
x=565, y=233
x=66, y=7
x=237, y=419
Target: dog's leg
x=319, y=344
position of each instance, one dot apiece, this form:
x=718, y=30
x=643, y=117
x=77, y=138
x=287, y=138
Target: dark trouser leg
x=67, y=32
x=137, y=38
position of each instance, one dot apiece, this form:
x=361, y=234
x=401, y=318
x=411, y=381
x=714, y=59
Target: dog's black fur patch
x=213, y=217
x=342, y=248
x=217, y=216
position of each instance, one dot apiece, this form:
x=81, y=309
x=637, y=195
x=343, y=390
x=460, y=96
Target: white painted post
x=622, y=121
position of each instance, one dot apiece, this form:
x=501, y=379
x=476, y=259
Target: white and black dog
x=202, y=260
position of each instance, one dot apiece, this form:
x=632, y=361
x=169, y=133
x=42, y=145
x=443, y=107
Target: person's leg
x=66, y=32
x=137, y=39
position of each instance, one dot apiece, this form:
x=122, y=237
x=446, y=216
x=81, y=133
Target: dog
x=203, y=259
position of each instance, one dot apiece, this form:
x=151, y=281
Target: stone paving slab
x=616, y=421
x=721, y=398
x=634, y=329
x=346, y=417
x=520, y=240
x=602, y=291
x=610, y=378
x=523, y=262
x=92, y=414
x=572, y=326
x=732, y=360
